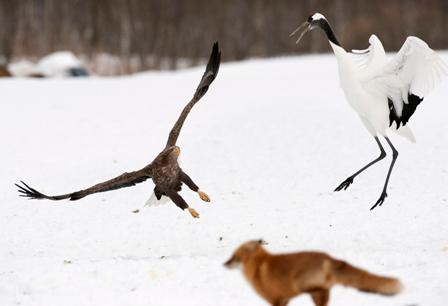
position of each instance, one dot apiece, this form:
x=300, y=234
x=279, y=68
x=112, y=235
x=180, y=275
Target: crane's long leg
x=394, y=158
x=344, y=185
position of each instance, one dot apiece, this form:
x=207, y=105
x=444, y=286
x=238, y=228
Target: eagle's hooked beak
x=176, y=151
x=304, y=28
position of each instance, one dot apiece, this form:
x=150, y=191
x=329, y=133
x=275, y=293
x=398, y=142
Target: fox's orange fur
x=278, y=278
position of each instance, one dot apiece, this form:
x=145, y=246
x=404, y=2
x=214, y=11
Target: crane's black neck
x=325, y=26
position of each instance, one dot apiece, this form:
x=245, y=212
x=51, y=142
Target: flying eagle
x=164, y=170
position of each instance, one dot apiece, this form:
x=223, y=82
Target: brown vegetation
x=4, y=72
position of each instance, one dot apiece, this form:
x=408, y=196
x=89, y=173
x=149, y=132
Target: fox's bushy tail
x=351, y=276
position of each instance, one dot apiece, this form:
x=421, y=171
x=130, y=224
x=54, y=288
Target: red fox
x=279, y=278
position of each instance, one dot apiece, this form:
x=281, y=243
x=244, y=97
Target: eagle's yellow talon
x=193, y=212
x=203, y=196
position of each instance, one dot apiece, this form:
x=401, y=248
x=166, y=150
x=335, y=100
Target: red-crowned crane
x=384, y=93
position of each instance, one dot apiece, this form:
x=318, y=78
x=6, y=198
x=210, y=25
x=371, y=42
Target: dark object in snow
x=78, y=72
x=164, y=170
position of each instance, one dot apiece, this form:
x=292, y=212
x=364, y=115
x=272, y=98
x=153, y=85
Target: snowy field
x=269, y=142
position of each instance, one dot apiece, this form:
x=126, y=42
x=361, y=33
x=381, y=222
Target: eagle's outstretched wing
x=125, y=180
x=209, y=75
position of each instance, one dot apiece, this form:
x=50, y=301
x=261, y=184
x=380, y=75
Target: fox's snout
x=228, y=263
x=231, y=263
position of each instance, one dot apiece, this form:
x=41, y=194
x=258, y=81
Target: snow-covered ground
x=268, y=143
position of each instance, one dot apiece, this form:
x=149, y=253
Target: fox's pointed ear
x=262, y=242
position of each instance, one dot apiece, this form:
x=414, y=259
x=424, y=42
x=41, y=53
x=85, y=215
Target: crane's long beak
x=304, y=28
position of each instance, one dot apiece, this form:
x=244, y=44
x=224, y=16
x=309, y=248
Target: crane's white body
x=384, y=93
x=368, y=83
x=371, y=107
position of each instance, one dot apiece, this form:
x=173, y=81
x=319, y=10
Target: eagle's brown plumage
x=164, y=170
x=124, y=180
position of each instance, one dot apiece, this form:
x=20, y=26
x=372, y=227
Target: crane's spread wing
x=127, y=179
x=210, y=74
x=371, y=58
x=407, y=78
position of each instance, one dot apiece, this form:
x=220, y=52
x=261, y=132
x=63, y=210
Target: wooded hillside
x=163, y=34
